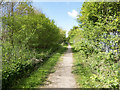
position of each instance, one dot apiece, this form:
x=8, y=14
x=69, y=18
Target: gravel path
x=62, y=77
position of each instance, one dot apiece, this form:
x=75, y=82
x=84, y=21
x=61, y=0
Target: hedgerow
x=97, y=40
x=27, y=39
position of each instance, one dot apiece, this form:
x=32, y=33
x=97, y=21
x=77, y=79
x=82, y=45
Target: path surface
x=62, y=77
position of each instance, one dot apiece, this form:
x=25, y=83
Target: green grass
x=37, y=78
x=94, y=72
x=83, y=72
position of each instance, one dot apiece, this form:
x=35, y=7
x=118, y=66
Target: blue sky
x=63, y=13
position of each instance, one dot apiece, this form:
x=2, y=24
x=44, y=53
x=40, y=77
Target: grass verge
x=94, y=72
x=82, y=72
x=37, y=78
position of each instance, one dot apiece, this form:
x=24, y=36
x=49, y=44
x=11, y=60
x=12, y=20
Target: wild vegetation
x=32, y=44
x=96, y=45
x=28, y=39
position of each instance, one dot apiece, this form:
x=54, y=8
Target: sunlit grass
x=83, y=73
x=94, y=72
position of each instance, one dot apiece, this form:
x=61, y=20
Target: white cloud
x=73, y=14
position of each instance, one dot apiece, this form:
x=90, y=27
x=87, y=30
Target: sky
x=63, y=13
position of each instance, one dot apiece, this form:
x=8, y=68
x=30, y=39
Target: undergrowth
x=95, y=71
x=39, y=75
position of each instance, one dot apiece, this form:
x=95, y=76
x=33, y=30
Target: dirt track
x=62, y=77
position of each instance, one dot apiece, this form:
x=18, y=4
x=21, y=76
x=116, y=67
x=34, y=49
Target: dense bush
x=27, y=39
x=98, y=41
x=95, y=71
